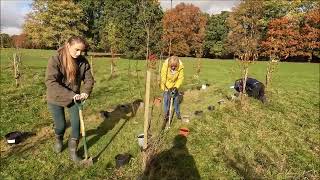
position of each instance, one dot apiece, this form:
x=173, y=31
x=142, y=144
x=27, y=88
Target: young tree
x=114, y=42
x=245, y=33
x=56, y=20
x=149, y=21
x=184, y=26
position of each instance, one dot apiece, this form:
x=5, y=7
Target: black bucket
x=211, y=108
x=122, y=159
x=198, y=113
x=17, y=137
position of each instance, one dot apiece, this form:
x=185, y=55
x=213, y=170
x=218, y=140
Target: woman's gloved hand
x=174, y=91
x=84, y=96
x=77, y=97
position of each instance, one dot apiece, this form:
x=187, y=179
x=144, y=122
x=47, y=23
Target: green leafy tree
x=121, y=12
x=149, y=21
x=5, y=40
x=216, y=35
x=51, y=23
x=114, y=42
x=93, y=15
x=131, y=16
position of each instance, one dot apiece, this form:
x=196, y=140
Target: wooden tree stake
x=16, y=68
x=91, y=64
x=146, y=118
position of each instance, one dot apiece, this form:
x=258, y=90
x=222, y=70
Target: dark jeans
x=166, y=103
x=60, y=120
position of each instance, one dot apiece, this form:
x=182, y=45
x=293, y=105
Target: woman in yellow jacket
x=172, y=76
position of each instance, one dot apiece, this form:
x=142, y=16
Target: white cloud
x=11, y=30
x=208, y=6
x=12, y=15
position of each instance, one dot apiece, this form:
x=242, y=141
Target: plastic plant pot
x=184, y=132
x=122, y=159
x=185, y=119
x=14, y=137
x=157, y=101
x=211, y=108
x=198, y=113
x=140, y=140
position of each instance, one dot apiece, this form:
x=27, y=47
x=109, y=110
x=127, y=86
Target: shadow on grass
x=242, y=166
x=110, y=120
x=30, y=141
x=175, y=163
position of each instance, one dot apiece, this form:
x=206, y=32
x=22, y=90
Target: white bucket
x=140, y=139
x=185, y=119
x=204, y=86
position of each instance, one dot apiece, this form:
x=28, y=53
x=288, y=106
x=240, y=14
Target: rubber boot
x=73, y=145
x=164, y=123
x=59, y=143
x=178, y=116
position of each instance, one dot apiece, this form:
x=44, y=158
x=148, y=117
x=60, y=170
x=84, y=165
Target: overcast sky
x=209, y=6
x=13, y=11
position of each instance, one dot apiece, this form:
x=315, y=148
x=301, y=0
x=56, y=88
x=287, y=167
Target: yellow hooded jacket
x=169, y=80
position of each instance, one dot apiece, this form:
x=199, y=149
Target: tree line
x=284, y=29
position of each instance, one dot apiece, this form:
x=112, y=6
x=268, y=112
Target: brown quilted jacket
x=61, y=92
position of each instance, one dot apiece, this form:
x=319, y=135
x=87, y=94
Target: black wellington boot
x=73, y=145
x=58, y=144
x=164, y=123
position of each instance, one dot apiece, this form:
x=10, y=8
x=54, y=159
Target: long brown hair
x=68, y=62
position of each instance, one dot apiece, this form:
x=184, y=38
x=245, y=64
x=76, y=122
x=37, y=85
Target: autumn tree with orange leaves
x=184, y=29
x=310, y=34
x=282, y=41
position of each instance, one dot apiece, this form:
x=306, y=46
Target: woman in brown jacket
x=65, y=72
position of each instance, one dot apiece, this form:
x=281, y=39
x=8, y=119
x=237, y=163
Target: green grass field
x=280, y=140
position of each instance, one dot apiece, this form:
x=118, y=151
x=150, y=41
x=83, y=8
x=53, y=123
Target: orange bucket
x=157, y=101
x=184, y=132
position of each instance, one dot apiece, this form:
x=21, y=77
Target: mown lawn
x=280, y=140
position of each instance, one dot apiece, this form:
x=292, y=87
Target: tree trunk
x=113, y=64
x=170, y=47
x=244, y=81
x=159, y=69
x=148, y=39
x=270, y=69
x=268, y=75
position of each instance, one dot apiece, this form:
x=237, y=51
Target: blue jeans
x=166, y=103
x=60, y=120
